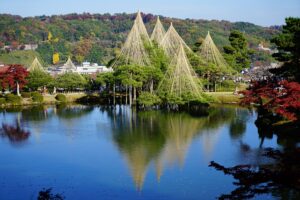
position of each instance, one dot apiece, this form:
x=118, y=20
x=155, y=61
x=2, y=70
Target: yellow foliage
x=55, y=58
x=49, y=36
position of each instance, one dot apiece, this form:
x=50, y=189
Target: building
x=85, y=68
x=91, y=68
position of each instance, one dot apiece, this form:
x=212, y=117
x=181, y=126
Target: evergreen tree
x=288, y=44
x=237, y=54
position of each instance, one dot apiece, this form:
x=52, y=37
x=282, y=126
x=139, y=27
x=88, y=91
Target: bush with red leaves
x=279, y=97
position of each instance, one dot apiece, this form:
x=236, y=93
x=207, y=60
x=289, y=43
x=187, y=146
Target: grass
x=20, y=57
x=225, y=97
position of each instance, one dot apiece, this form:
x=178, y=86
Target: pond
x=90, y=152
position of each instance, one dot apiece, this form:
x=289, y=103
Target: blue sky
x=261, y=12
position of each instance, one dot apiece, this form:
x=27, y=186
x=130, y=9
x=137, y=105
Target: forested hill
x=97, y=37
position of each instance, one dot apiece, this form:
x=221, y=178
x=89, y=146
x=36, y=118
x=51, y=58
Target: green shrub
x=61, y=97
x=26, y=94
x=13, y=99
x=148, y=99
x=2, y=101
x=37, y=97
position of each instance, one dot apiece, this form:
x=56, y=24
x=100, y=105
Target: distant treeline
x=98, y=37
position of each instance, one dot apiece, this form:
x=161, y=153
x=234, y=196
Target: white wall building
x=88, y=68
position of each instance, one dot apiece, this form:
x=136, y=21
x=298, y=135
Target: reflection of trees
x=14, y=133
x=35, y=113
x=238, y=123
x=67, y=111
x=278, y=177
x=138, y=139
x=162, y=138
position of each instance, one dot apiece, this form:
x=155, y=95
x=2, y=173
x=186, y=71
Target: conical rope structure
x=133, y=51
x=180, y=79
x=158, y=32
x=141, y=26
x=211, y=54
x=69, y=65
x=172, y=42
x=35, y=65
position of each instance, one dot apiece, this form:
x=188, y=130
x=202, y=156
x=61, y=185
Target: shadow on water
x=274, y=172
x=163, y=138
x=47, y=194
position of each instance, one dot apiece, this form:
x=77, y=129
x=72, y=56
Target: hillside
x=98, y=37
x=19, y=57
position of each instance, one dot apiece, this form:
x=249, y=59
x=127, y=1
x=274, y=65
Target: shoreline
x=49, y=99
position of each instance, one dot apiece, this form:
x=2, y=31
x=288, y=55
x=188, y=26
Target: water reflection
x=14, y=132
x=66, y=111
x=164, y=138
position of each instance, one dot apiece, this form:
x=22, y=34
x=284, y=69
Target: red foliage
x=12, y=75
x=282, y=98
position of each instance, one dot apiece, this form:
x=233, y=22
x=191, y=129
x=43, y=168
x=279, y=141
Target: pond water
x=86, y=152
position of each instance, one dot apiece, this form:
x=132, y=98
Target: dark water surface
x=87, y=152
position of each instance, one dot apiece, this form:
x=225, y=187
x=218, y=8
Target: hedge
x=61, y=97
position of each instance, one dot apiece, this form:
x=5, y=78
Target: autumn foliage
x=279, y=97
x=12, y=75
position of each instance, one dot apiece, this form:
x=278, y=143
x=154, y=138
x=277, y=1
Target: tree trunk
x=130, y=95
x=151, y=87
x=126, y=95
x=134, y=94
x=54, y=90
x=114, y=94
x=215, y=84
x=18, y=89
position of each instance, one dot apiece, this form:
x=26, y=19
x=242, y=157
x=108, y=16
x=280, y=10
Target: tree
x=70, y=81
x=96, y=54
x=55, y=58
x=49, y=36
x=281, y=98
x=237, y=54
x=132, y=76
x=197, y=44
x=288, y=44
x=14, y=77
x=38, y=78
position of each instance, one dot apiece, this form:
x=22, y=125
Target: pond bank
x=221, y=97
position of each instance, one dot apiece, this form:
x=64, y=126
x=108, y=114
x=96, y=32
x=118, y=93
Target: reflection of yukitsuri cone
x=179, y=79
x=211, y=54
x=158, y=32
x=133, y=50
x=137, y=161
x=172, y=42
x=35, y=65
x=180, y=133
x=159, y=169
x=209, y=140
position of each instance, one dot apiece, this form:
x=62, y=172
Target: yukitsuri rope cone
x=69, y=65
x=179, y=80
x=211, y=54
x=158, y=32
x=133, y=51
x=36, y=65
x=172, y=42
